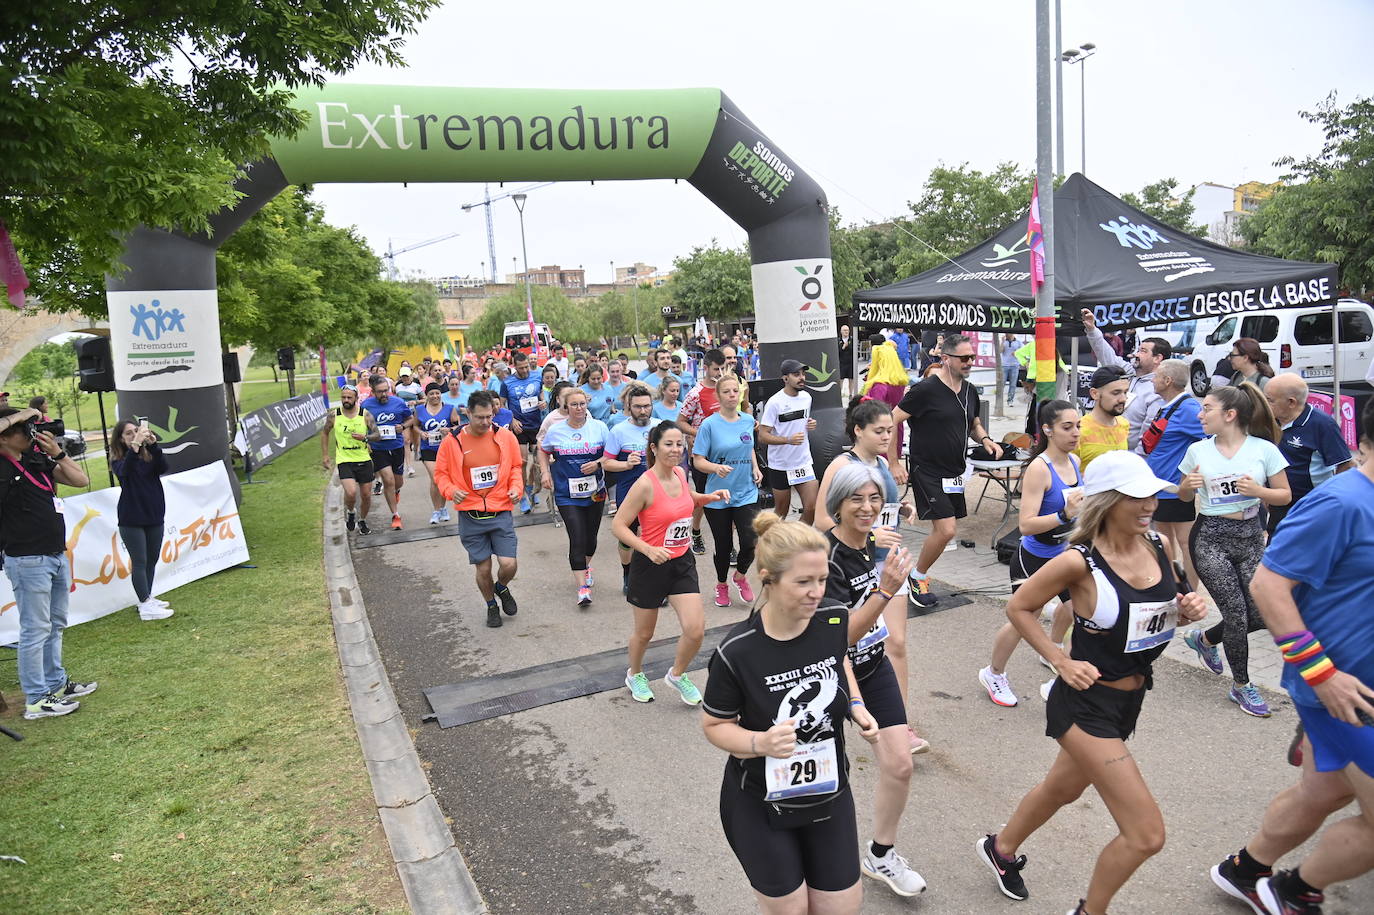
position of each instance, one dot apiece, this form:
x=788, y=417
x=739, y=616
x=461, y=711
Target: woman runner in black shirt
x=777, y=693
x=1126, y=603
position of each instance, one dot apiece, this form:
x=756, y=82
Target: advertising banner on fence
x=202, y=534
x=275, y=429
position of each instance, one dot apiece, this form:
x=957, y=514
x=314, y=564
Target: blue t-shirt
x=501, y=418
x=1326, y=544
x=730, y=443
x=653, y=381
x=1257, y=458
x=625, y=438
x=389, y=417
x=616, y=390
x=495, y=385
x=1313, y=446
x=663, y=411
x=903, y=344
x=568, y=449
x=454, y=400
x=1184, y=428
x=432, y=425
x=600, y=403
x=467, y=388
x=522, y=398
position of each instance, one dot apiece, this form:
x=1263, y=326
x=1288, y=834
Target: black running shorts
x=932, y=502
x=1175, y=510
x=356, y=470
x=1098, y=710
x=651, y=584
x=1024, y=564
x=777, y=861
x=883, y=697
x=395, y=458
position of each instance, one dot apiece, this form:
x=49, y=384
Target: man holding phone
x=33, y=543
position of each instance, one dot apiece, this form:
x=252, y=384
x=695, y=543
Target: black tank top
x=1129, y=627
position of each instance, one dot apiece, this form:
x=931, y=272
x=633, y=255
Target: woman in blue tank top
x=868, y=423
x=1051, y=490
x=436, y=418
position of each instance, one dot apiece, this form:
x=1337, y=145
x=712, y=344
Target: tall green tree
x=117, y=114
x=1162, y=201
x=1323, y=213
x=958, y=208
x=569, y=321
x=713, y=282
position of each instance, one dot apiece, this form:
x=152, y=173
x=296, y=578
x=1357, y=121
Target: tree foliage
x=713, y=282
x=1324, y=212
x=569, y=321
x=864, y=257
x=142, y=112
x=1161, y=201
x=48, y=369
x=959, y=208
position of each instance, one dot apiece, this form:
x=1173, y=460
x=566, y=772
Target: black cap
x=433, y=386
x=1105, y=375
x=791, y=366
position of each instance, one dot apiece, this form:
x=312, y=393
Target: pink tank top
x=668, y=521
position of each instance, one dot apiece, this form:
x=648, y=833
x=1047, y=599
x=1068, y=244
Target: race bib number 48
x=1150, y=624
x=811, y=769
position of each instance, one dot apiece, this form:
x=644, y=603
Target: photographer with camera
x=33, y=543
x=139, y=464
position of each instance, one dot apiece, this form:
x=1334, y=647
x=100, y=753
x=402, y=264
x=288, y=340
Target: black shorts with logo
x=356, y=470
x=1099, y=711
x=395, y=458
x=932, y=502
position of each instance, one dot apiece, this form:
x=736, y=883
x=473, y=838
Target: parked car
x=1299, y=339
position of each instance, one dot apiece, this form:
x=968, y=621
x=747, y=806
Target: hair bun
x=764, y=521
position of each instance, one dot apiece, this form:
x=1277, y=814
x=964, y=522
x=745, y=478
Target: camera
x=54, y=427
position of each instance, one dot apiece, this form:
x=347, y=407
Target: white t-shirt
x=1258, y=458
x=787, y=415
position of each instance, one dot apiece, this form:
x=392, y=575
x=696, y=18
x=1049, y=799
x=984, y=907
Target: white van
x=1299, y=339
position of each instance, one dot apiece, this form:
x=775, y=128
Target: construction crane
x=487, y=201
x=390, y=255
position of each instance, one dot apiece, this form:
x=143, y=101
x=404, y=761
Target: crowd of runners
x=1126, y=512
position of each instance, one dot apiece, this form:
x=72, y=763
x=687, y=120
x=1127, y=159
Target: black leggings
x=143, y=544
x=582, y=523
x=720, y=520
x=1226, y=552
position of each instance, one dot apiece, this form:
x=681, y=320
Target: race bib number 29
x=811, y=769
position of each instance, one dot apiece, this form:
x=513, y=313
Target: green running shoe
x=685, y=687
x=639, y=686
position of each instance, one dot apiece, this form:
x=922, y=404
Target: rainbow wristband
x=1302, y=650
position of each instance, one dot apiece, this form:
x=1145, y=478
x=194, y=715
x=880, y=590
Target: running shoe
x=350, y=520
x=377, y=488
x=999, y=690
x=893, y=870
x=584, y=596
x=734, y=558
x=610, y=510
x=1295, y=747
x=159, y=601
x=722, y=595
x=149, y=611
x=1078, y=909
x=698, y=545
x=1279, y=898
x=1008, y=872
x=525, y=505
x=50, y=706
x=434, y=517
x=1046, y=687
x=1249, y=699
x=917, y=743
x=410, y=470
x=685, y=688
x=444, y=517
x=493, y=616
x=1228, y=878
x=639, y=686
x=508, y=604
x=1209, y=655
x=363, y=528
x=74, y=690
x=921, y=594
x=395, y=522
x=590, y=579
x=746, y=593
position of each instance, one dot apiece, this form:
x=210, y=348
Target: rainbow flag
x=1035, y=240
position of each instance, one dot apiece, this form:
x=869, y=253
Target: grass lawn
x=216, y=769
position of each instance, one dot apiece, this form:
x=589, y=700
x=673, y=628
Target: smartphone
x=143, y=424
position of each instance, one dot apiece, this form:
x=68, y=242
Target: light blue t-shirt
x=454, y=400
x=730, y=443
x=616, y=390
x=653, y=381
x=1325, y=544
x=466, y=389
x=624, y=438
x=1257, y=458
x=568, y=449
x=600, y=403
x=663, y=411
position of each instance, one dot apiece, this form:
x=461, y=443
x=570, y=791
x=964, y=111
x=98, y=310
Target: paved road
x=600, y=805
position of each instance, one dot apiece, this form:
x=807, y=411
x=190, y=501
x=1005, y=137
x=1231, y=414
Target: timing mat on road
x=545, y=684
x=434, y=532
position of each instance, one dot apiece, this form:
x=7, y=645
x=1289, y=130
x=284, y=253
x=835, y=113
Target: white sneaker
x=410, y=471
x=444, y=517
x=434, y=517
x=999, y=690
x=149, y=611
x=893, y=870
x=1045, y=688
x=159, y=601
x=1041, y=658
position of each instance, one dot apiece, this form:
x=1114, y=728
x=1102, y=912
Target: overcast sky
x=867, y=98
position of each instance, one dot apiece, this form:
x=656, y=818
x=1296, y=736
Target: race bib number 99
x=1150, y=624
x=484, y=477
x=811, y=769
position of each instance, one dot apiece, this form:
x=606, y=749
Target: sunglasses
x=964, y=359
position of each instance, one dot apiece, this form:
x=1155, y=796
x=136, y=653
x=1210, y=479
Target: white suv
x=1299, y=339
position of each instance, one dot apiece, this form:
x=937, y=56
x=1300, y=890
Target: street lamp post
x=1079, y=55
x=529, y=301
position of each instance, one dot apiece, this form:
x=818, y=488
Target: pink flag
x=11, y=271
x=1035, y=240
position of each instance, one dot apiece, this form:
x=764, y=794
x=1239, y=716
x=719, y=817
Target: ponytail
x=1047, y=415
x=1253, y=413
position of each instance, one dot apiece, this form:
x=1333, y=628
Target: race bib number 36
x=1150, y=624
x=811, y=769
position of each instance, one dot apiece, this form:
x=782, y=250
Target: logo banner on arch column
x=202, y=534
x=163, y=340
x=794, y=300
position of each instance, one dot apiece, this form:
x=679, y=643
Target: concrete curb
x=432, y=869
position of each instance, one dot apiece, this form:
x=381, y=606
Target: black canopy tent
x=1130, y=269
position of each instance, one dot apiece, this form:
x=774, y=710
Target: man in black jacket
x=33, y=538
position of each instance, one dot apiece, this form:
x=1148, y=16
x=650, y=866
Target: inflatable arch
x=164, y=315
